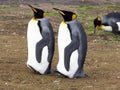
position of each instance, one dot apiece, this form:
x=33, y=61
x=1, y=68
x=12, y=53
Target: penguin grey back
x=48, y=38
x=111, y=17
x=75, y=24
x=79, y=42
x=78, y=30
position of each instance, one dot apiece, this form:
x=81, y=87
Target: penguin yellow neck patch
x=100, y=27
x=34, y=19
x=63, y=22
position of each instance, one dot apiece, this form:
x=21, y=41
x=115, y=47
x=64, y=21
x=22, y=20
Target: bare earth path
x=103, y=58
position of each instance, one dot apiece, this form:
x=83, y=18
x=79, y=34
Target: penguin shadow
x=33, y=70
x=54, y=73
x=60, y=75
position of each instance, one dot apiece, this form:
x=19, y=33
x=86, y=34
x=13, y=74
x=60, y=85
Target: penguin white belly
x=107, y=28
x=34, y=36
x=118, y=23
x=63, y=41
x=73, y=63
x=40, y=67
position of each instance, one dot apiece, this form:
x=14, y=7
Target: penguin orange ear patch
x=74, y=16
x=99, y=19
x=44, y=14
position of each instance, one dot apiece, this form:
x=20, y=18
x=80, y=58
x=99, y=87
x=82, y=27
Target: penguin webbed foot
x=75, y=76
x=56, y=71
x=80, y=76
x=51, y=71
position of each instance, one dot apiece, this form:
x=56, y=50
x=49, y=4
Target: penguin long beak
x=60, y=11
x=56, y=9
x=34, y=10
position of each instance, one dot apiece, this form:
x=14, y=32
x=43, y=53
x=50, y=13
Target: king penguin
x=40, y=39
x=109, y=22
x=72, y=46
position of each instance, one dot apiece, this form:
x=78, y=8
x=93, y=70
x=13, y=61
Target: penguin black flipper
x=39, y=47
x=47, y=40
x=69, y=49
x=41, y=43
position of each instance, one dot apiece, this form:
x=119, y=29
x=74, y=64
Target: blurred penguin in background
x=109, y=22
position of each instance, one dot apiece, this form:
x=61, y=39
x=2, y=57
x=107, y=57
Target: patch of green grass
x=53, y=4
x=53, y=13
x=8, y=8
x=28, y=13
x=14, y=5
x=113, y=37
x=113, y=6
x=4, y=7
x=86, y=7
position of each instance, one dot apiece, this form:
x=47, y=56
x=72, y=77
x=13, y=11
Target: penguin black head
x=67, y=15
x=38, y=13
x=97, y=23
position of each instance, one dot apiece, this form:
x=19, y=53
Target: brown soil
x=102, y=62
x=72, y=2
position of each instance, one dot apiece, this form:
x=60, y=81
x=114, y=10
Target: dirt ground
x=102, y=63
